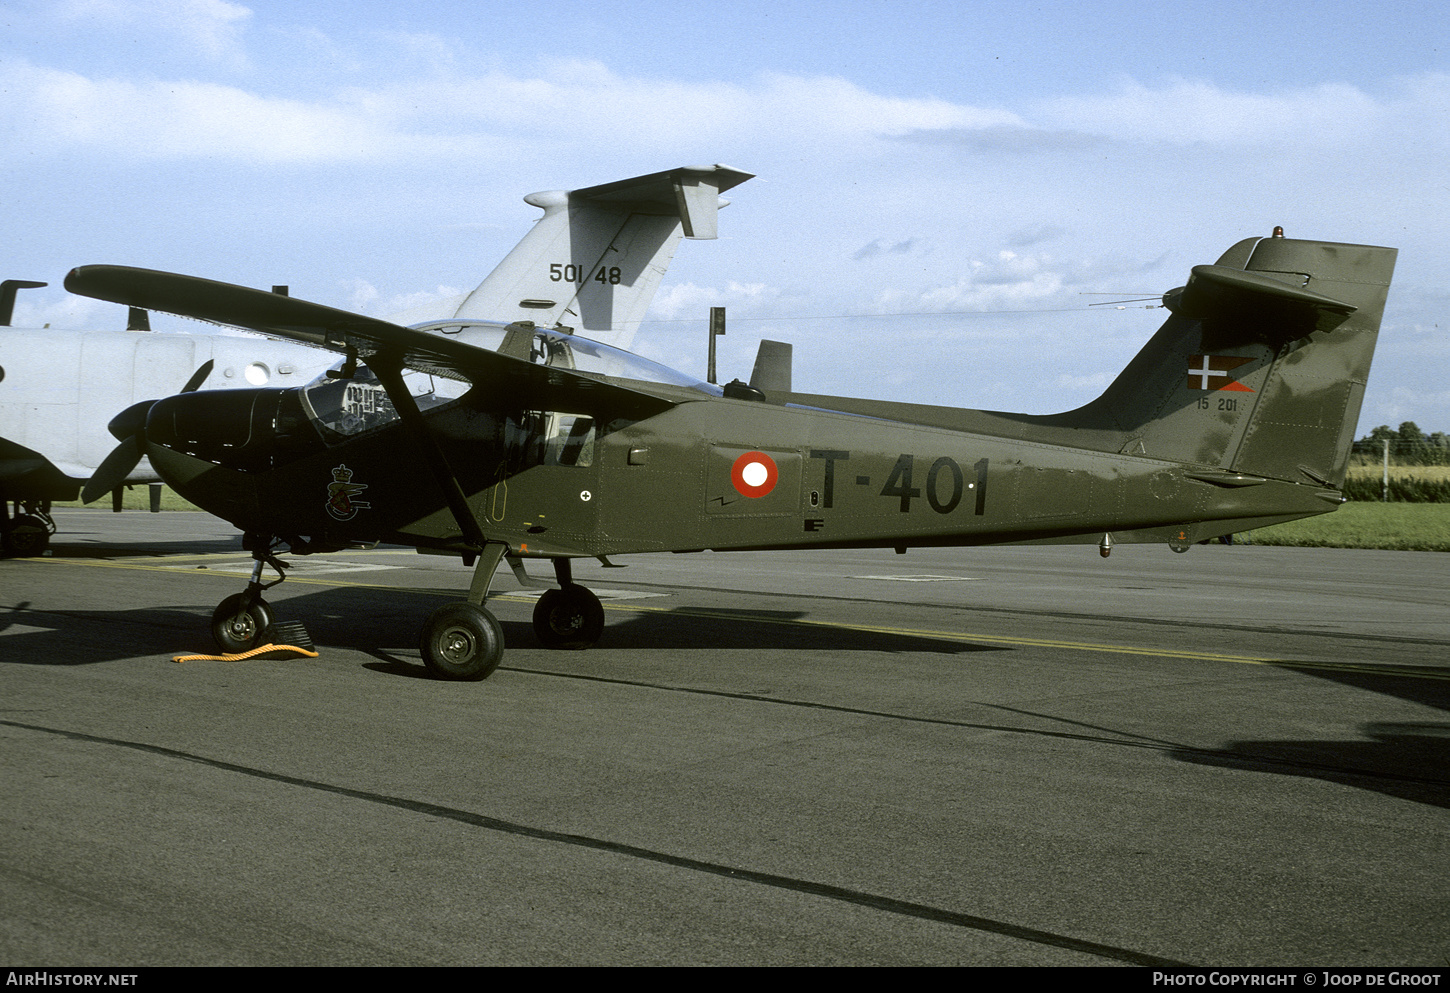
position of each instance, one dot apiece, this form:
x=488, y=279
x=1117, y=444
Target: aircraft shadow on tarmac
x=363, y=628
x=86, y=637
x=718, y=628
x=366, y=620
x=1408, y=760
x=1402, y=759
x=79, y=547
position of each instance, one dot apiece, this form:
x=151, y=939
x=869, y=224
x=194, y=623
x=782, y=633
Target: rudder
x=1303, y=425
x=1260, y=370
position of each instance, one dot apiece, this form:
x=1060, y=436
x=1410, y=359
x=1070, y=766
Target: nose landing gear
x=240, y=621
x=243, y=621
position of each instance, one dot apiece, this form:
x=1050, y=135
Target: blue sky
x=939, y=183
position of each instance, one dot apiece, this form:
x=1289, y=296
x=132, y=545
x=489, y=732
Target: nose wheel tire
x=240, y=622
x=462, y=642
x=569, y=617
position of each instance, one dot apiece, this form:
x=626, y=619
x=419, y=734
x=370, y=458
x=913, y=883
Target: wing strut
x=389, y=373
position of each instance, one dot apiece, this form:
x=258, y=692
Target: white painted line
x=923, y=579
x=601, y=594
x=295, y=567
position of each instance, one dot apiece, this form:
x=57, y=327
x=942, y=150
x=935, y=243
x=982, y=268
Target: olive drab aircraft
x=59, y=389
x=544, y=444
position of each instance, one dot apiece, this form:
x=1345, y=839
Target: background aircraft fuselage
x=60, y=388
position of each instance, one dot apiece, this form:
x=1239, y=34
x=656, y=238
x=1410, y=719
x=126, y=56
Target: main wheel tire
x=569, y=617
x=240, y=622
x=462, y=642
x=25, y=537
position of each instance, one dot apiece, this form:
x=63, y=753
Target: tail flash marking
x=1211, y=372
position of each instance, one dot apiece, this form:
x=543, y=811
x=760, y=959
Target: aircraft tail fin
x=595, y=259
x=1260, y=370
x=772, y=367
x=7, y=296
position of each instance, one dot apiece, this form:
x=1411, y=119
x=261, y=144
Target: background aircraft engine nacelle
x=237, y=429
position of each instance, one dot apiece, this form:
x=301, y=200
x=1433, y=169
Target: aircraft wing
x=18, y=462
x=510, y=381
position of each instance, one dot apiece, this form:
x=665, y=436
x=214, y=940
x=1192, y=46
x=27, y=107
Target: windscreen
x=342, y=408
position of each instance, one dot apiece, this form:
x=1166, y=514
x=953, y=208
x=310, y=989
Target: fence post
x=1386, y=497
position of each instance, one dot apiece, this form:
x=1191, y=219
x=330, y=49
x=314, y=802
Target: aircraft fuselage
x=712, y=473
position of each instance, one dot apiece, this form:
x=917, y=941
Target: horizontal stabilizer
x=1216, y=292
x=691, y=193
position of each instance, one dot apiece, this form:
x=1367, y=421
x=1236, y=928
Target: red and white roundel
x=754, y=474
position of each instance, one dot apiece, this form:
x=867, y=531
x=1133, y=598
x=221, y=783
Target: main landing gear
x=464, y=641
x=569, y=617
x=460, y=641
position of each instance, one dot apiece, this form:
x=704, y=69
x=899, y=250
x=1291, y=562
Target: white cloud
x=34, y=310
x=211, y=28
x=1402, y=403
x=1091, y=385
x=883, y=246
x=1190, y=112
x=59, y=111
x=356, y=141
x=480, y=113
x=1185, y=112
x=494, y=113
x=684, y=301
x=402, y=308
x=361, y=294
x=1008, y=282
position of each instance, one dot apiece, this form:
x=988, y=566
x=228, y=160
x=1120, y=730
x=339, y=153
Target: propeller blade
x=197, y=378
x=130, y=421
x=113, y=471
x=129, y=428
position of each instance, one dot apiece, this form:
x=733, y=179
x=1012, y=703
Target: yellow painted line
x=972, y=637
x=220, y=573
x=964, y=637
x=1414, y=672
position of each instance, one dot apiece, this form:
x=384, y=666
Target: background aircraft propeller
x=129, y=427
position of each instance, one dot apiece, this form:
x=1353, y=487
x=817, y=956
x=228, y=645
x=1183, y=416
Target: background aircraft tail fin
x=595, y=259
x=1261, y=368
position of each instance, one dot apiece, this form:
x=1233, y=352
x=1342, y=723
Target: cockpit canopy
x=565, y=351
x=344, y=407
